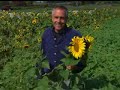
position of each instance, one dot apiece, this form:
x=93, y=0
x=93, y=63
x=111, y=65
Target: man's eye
x=62, y=17
x=59, y=17
x=56, y=17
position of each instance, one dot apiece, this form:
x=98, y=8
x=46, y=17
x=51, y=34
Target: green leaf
x=45, y=64
x=1, y=82
x=43, y=84
x=2, y=88
x=30, y=72
x=59, y=67
x=66, y=55
x=65, y=74
x=69, y=61
x=77, y=80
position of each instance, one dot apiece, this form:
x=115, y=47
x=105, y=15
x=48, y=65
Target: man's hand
x=70, y=67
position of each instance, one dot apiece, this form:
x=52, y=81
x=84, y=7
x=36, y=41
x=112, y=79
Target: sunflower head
x=77, y=47
x=34, y=21
x=39, y=40
x=26, y=46
x=88, y=40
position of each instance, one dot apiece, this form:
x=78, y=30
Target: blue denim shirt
x=53, y=43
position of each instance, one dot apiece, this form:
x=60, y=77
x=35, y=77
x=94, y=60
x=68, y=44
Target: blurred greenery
x=48, y=5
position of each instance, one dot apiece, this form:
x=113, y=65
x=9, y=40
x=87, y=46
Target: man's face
x=59, y=19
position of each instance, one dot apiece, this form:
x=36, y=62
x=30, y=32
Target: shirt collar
x=61, y=31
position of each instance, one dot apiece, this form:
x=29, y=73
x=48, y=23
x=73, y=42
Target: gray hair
x=62, y=8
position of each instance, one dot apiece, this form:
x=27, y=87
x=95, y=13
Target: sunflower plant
x=61, y=77
x=79, y=46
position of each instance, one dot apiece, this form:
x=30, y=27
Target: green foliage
x=69, y=60
x=103, y=64
x=20, y=41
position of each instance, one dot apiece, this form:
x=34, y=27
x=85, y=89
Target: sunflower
x=26, y=46
x=89, y=40
x=34, y=21
x=77, y=47
x=39, y=39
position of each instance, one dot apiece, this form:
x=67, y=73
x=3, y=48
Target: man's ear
x=66, y=19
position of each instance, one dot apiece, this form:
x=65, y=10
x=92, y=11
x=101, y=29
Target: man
x=56, y=38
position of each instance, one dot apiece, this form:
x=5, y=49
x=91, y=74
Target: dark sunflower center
x=76, y=47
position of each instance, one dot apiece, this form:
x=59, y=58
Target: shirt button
x=55, y=61
x=54, y=38
x=54, y=53
x=55, y=45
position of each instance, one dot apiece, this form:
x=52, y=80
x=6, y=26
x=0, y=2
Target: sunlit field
x=20, y=39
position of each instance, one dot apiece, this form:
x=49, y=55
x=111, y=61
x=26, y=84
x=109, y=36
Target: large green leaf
x=43, y=84
x=45, y=64
x=64, y=73
x=69, y=61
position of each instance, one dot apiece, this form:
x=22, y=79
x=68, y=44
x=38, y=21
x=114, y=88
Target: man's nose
x=59, y=19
